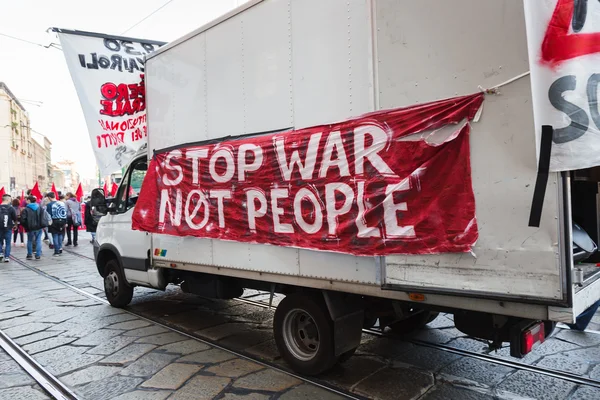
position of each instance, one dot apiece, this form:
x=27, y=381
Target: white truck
x=274, y=64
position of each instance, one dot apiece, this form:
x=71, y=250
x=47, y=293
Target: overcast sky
x=35, y=73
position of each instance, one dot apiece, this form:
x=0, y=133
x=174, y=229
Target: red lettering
x=123, y=92
x=136, y=105
x=559, y=44
x=127, y=108
x=106, y=107
x=136, y=135
x=119, y=110
x=133, y=90
x=109, y=91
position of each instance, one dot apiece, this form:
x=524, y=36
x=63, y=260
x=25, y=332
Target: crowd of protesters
x=49, y=220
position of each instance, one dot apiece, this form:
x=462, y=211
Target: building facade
x=40, y=170
x=42, y=161
x=70, y=176
x=23, y=160
x=58, y=178
x=48, y=156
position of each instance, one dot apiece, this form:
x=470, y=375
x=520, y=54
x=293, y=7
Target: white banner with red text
x=108, y=74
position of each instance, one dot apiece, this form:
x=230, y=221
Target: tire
x=304, y=334
x=118, y=292
x=411, y=324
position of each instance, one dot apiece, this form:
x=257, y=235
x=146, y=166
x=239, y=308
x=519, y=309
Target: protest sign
x=108, y=74
x=367, y=186
x=564, y=55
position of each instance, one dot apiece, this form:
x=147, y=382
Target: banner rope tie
x=494, y=89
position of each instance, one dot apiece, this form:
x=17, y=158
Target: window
x=131, y=184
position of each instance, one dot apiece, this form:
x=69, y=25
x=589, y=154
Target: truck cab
x=123, y=254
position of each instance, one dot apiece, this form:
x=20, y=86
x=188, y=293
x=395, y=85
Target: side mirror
x=98, y=201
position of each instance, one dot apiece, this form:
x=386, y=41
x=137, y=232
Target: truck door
x=132, y=245
x=510, y=260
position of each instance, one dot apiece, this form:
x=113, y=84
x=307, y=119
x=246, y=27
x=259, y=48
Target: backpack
x=77, y=218
x=46, y=218
x=4, y=217
x=31, y=220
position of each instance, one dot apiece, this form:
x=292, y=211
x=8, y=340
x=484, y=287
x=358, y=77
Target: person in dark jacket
x=58, y=213
x=18, y=231
x=90, y=222
x=8, y=220
x=73, y=218
x=32, y=220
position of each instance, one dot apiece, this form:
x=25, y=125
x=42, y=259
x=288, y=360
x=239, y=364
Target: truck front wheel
x=304, y=334
x=118, y=292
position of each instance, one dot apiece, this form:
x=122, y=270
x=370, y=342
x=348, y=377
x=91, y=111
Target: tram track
x=462, y=352
x=48, y=382
x=471, y=354
x=316, y=382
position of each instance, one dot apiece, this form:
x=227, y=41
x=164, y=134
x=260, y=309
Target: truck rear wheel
x=118, y=292
x=304, y=334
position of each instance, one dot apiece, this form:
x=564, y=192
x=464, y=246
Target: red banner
x=352, y=187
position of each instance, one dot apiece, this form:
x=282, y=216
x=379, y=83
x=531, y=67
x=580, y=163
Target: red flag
x=2, y=192
x=53, y=190
x=113, y=189
x=105, y=188
x=79, y=193
x=36, y=192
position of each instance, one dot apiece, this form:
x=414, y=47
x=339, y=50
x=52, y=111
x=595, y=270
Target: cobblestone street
x=300, y=200
x=103, y=352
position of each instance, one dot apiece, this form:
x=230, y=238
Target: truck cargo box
x=277, y=65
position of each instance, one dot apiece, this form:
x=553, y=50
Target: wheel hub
x=111, y=283
x=301, y=334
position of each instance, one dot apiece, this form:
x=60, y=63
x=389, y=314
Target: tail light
x=526, y=338
x=532, y=337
